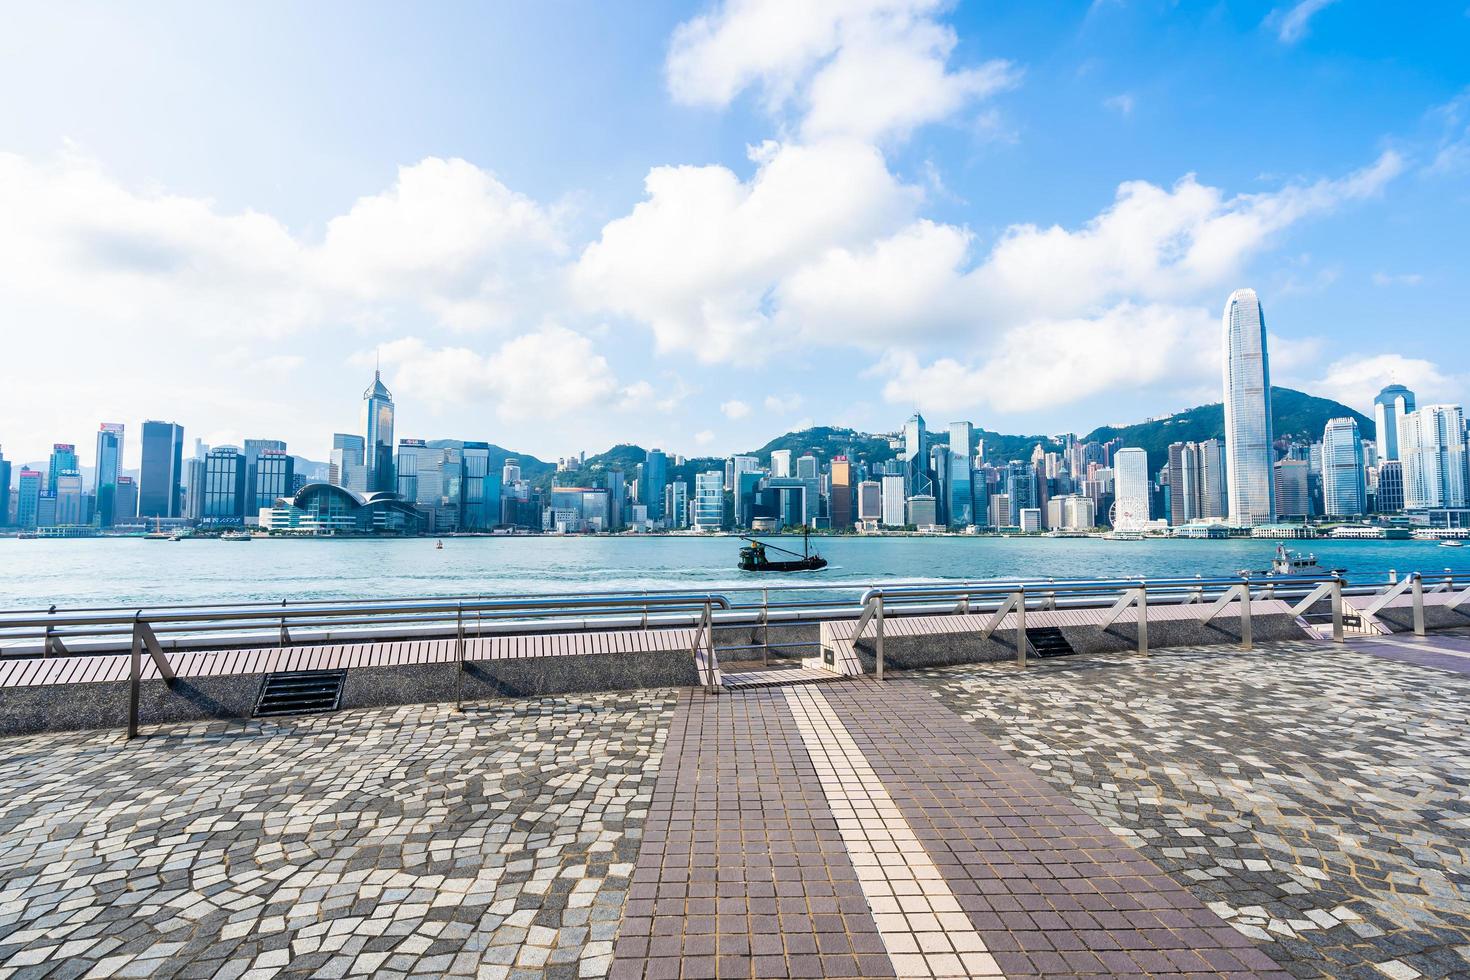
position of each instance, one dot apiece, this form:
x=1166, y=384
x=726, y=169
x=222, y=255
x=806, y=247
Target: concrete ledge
x=1400, y=619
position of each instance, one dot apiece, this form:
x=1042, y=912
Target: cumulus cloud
x=735, y=409
x=864, y=69
x=1355, y=381
x=549, y=372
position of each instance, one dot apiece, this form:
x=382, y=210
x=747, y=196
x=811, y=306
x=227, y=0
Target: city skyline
x=522, y=265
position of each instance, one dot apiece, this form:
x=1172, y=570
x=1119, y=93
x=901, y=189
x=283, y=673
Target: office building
x=1021, y=491
x=4, y=491
x=1389, y=408
x=839, y=494
x=1344, y=484
x=959, y=478
x=377, y=426
x=922, y=511
x=257, y=496
x=676, y=505
x=160, y=487
x=105, y=473
x=709, y=500
x=1292, y=492
x=869, y=501
x=70, y=506
x=63, y=460
x=125, y=501
x=780, y=463
x=1000, y=510
x=914, y=457
x=893, y=500
x=412, y=467
x=806, y=467
x=651, y=483
x=346, y=467
x=29, y=485
x=1388, y=497
x=1432, y=449
x=223, y=500
x=1028, y=519
x=1131, y=489
x=194, y=479
x=1247, y=384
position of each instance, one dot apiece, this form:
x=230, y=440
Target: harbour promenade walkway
x=1296, y=809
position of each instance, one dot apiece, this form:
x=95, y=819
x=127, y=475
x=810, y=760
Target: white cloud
x=704, y=437
x=852, y=68
x=1292, y=25
x=1121, y=104
x=735, y=409
x=550, y=372
x=1354, y=381
x=783, y=404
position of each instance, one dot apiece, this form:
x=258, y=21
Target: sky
x=559, y=226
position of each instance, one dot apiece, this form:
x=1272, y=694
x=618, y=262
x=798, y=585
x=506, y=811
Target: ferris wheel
x=1123, y=520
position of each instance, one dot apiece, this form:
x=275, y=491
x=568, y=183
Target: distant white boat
x=235, y=536
x=1452, y=544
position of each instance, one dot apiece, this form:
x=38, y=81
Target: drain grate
x=1049, y=641
x=299, y=692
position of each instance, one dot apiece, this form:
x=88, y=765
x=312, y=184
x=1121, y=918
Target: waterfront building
x=893, y=500
x=256, y=495
x=105, y=473
x=29, y=485
x=125, y=500
x=1028, y=519
x=479, y=489
x=1293, y=497
x=194, y=470
x=960, y=495
x=914, y=457
x=651, y=483
x=1432, y=448
x=781, y=463
x=1344, y=485
x=377, y=426
x=1390, y=406
x=46, y=510
x=709, y=500
x=1130, y=476
x=4, y=491
x=869, y=501
x=676, y=505
x=1000, y=510
x=1389, y=495
x=617, y=500
x=839, y=507
x=63, y=460
x=160, y=487
x=1080, y=513
x=1247, y=384
x=70, y=504
x=413, y=456
x=223, y=500
x=323, y=508
x=345, y=467
x=922, y=511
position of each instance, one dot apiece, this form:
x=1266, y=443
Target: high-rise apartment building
x=1432, y=447
x=377, y=426
x=1247, y=381
x=1389, y=408
x=161, y=481
x=106, y=472
x=1131, y=481
x=1344, y=483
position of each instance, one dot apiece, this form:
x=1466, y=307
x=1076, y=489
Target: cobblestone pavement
x=1318, y=799
x=407, y=841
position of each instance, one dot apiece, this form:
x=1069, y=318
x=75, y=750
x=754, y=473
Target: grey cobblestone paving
x=396, y=842
x=1318, y=799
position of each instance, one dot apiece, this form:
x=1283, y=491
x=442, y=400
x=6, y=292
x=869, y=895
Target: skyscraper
x=1130, y=475
x=869, y=500
x=915, y=457
x=709, y=500
x=893, y=500
x=780, y=462
x=1389, y=409
x=960, y=509
x=377, y=425
x=63, y=460
x=840, y=495
x=104, y=477
x=345, y=468
x=1344, y=484
x=1389, y=498
x=125, y=501
x=1432, y=444
x=163, y=470
x=70, y=506
x=29, y=485
x=1247, y=377
x=4, y=491
x=1293, y=495
x=223, y=501
x=277, y=483
x=651, y=485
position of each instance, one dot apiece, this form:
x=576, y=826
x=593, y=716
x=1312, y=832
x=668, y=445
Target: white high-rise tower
x=1247, y=374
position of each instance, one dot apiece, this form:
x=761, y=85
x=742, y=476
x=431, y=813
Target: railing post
x=878, y=642
x=766, y=628
x=1337, y=631
x=709, y=656
x=1246, y=642
x=1418, y=590
x=459, y=657
x=1143, y=618
x=135, y=675
x=285, y=638
x=1021, y=643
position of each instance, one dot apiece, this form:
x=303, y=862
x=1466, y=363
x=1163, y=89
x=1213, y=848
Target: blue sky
x=700, y=224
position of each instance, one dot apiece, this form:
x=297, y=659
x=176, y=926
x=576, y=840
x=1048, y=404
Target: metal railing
x=96, y=630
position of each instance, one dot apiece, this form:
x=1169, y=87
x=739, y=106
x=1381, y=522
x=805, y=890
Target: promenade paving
x=1300, y=809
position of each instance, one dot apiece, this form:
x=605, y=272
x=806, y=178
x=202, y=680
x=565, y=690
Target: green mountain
x=1293, y=413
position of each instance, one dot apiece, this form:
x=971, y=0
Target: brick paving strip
x=858, y=829
x=1446, y=652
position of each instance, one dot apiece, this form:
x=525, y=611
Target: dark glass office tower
x=160, y=493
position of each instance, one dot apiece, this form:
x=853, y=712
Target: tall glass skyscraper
x=63, y=460
x=104, y=479
x=961, y=499
x=651, y=485
x=163, y=469
x=1433, y=448
x=1130, y=480
x=1247, y=374
x=1344, y=482
x=1389, y=409
x=377, y=424
x=916, y=457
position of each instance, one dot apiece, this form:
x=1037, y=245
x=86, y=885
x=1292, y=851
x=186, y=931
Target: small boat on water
x=158, y=533
x=1291, y=563
x=753, y=557
x=235, y=536
x=1448, y=543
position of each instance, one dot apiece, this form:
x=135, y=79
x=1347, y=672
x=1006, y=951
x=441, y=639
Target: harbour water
x=127, y=571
